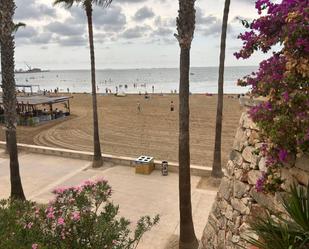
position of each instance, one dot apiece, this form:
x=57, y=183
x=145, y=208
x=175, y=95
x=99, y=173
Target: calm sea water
x=165, y=80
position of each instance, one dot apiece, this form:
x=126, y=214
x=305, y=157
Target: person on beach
x=138, y=106
x=172, y=106
x=152, y=89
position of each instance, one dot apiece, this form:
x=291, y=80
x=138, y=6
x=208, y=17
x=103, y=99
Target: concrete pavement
x=137, y=195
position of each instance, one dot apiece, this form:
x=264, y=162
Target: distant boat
x=191, y=73
x=32, y=70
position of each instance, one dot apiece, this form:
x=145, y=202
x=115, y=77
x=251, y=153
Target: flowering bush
x=78, y=217
x=283, y=79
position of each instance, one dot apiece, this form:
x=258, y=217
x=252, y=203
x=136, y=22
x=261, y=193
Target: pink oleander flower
x=60, y=190
x=50, y=215
x=35, y=246
x=76, y=216
x=60, y=221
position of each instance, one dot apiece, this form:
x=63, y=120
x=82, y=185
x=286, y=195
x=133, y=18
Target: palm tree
x=185, y=28
x=16, y=27
x=216, y=166
x=87, y=5
x=7, y=27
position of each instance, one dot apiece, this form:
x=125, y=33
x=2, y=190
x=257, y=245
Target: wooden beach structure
x=37, y=109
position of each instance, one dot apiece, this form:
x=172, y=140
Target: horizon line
x=140, y=68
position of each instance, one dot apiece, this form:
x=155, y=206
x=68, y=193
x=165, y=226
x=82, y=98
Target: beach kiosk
x=37, y=109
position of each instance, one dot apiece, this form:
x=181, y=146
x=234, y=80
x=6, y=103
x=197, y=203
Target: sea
x=157, y=80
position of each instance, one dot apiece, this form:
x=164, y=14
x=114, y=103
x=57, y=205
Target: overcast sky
x=128, y=34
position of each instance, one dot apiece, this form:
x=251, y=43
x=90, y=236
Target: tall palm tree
x=16, y=27
x=185, y=28
x=7, y=28
x=87, y=5
x=216, y=166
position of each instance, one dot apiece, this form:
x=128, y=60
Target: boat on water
x=32, y=70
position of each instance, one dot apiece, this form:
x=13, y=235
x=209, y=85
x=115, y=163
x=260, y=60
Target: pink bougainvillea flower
x=283, y=154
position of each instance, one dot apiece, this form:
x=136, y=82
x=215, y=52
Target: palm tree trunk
x=216, y=167
x=185, y=27
x=97, y=158
x=7, y=9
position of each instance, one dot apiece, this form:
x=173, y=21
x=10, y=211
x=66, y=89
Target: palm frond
x=18, y=25
x=67, y=3
x=103, y=3
x=276, y=232
x=297, y=206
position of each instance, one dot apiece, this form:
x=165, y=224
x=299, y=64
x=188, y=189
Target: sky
x=127, y=34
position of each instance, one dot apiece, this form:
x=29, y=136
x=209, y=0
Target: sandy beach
x=126, y=131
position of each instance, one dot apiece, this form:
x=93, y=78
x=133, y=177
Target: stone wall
x=237, y=200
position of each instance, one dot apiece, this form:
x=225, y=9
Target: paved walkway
x=137, y=195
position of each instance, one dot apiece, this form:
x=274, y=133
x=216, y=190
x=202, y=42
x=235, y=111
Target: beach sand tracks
x=126, y=132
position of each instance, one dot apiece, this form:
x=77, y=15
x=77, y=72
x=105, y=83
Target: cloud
x=65, y=29
x=72, y=41
x=163, y=32
x=143, y=13
x=29, y=35
x=136, y=32
x=29, y=9
x=26, y=32
x=109, y=19
x=208, y=25
x=165, y=22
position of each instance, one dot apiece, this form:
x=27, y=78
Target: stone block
x=214, y=222
x=221, y=239
x=236, y=157
x=239, y=206
x=300, y=175
x=253, y=138
x=254, y=162
x=235, y=239
x=265, y=200
x=229, y=172
x=228, y=239
x=208, y=237
x=247, y=153
x=223, y=204
x=239, y=189
x=289, y=180
x=225, y=189
x=253, y=176
x=239, y=139
x=257, y=211
x=229, y=212
x=216, y=209
x=248, y=123
x=303, y=162
x=262, y=164
x=235, y=214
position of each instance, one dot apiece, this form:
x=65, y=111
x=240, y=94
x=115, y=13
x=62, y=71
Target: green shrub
x=285, y=231
x=79, y=217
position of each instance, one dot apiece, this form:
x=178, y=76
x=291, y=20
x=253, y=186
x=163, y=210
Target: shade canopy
x=38, y=100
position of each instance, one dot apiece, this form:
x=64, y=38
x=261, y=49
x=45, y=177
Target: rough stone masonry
x=237, y=200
